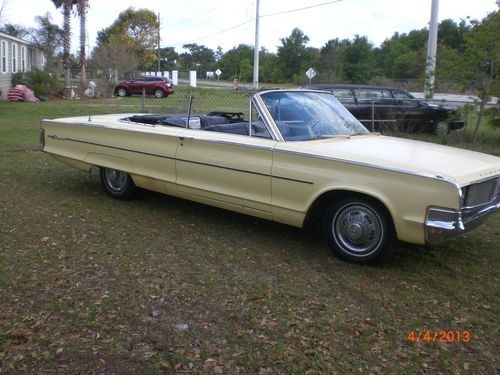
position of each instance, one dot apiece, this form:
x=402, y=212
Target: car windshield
x=306, y=115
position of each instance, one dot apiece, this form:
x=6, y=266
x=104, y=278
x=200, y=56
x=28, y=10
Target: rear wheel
x=117, y=184
x=159, y=93
x=122, y=92
x=359, y=230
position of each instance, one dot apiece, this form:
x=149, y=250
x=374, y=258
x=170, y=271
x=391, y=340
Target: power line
x=299, y=9
x=219, y=32
x=265, y=15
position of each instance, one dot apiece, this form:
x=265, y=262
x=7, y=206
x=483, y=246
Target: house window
x=23, y=59
x=31, y=59
x=14, y=58
x=3, y=51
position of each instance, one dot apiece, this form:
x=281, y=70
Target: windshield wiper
x=326, y=136
x=364, y=133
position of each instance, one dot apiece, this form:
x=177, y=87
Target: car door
x=226, y=170
x=411, y=113
x=376, y=108
x=136, y=85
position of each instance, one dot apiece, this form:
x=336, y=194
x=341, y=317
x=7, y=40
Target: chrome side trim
x=185, y=160
x=369, y=165
x=231, y=143
x=121, y=129
x=483, y=179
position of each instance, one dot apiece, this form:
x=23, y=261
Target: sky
x=227, y=23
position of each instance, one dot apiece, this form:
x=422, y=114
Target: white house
x=16, y=56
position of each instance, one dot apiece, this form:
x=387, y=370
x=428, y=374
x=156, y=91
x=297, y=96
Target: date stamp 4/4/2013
x=445, y=337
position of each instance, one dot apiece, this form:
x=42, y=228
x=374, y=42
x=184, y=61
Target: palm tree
x=66, y=5
x=82, y=7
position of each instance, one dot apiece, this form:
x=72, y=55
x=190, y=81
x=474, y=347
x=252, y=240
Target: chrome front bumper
x=442, y=224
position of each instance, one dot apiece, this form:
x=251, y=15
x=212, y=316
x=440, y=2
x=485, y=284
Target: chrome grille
x=482, y=193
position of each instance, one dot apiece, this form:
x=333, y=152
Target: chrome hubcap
x=357, y=229
x=116, y=180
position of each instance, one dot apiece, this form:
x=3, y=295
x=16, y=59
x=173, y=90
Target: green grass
x=89, y=284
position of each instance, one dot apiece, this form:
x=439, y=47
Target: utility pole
x=256, y=49
x=431, y=51
x=159, y=64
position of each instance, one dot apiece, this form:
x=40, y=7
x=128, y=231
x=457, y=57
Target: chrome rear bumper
x=442, y=224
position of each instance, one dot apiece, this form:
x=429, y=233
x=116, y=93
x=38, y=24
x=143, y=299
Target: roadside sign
x=218, y=72
x=310, y=74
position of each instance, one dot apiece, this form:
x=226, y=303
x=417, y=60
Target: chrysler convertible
x=295, y=157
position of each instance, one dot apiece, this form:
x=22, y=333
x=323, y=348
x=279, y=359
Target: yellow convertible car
x=292, y=156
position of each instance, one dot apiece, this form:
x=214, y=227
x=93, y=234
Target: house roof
x=14, y=39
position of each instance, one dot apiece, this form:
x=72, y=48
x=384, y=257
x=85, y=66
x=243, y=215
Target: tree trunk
x=83, y=33
x=67, y=47
x=478, y=122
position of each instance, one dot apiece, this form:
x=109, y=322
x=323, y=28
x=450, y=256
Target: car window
x=343, y=95
x=378, y=96
x=302, y=116
x=403, y=98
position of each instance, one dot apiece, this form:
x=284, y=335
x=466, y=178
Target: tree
x=17, y=31
x=477, y=63
x=330, y=60
x=270, y=70
x=357, y=60
x=237, y=63
x=114, y=61
x=82, y=7
x=66, y=6
x=403, y=55
x=47, y=36
x=199, y=58
x=293, y=56
x=168, y=61
x=136, y=31
x=451, y=34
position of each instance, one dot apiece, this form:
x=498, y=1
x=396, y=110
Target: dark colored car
x=158, y=86
x=379, y=108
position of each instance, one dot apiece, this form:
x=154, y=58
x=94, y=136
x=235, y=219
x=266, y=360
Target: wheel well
x=318, y=208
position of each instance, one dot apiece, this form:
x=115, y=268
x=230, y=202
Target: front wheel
x=442, y=128
x=117, y=184
x=159, y=93
x=359, y=230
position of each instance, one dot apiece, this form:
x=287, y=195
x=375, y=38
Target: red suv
x=158, y=86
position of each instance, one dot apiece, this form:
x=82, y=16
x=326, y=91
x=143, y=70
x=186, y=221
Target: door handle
x=182, y=139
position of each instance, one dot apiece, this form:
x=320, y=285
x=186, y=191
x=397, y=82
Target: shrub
x=42, y=83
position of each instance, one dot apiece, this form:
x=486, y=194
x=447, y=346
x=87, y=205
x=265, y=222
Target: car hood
x=452, y=163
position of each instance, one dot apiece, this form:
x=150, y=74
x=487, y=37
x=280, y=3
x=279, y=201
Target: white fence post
x=192, y=78
x=175, y=77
